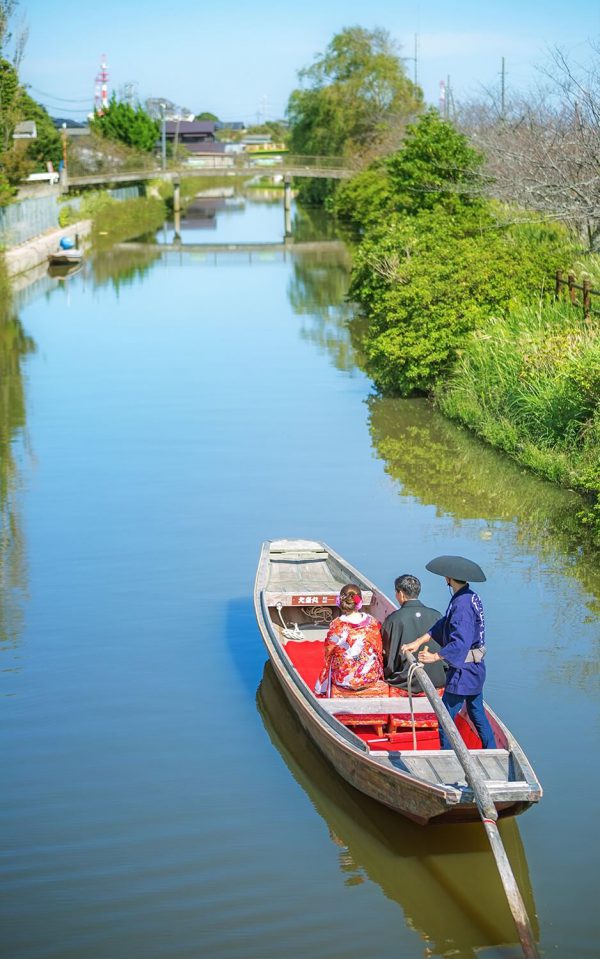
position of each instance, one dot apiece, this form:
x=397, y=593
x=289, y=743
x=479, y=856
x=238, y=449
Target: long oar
x=487, y=811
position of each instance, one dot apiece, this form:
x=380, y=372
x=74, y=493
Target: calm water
x=160, y=416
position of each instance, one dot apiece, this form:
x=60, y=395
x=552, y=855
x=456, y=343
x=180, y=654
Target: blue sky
x=240, y=59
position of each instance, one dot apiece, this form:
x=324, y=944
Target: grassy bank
x=529, y=384
x=115, y=221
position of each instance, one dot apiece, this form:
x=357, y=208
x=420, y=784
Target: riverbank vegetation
x=114, y=221
x=456, y=290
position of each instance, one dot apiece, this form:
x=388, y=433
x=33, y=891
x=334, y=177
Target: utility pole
x=416, y=57
x=163, y=136
x=502, y=91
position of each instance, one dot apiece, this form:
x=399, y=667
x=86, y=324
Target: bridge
x=224, y=165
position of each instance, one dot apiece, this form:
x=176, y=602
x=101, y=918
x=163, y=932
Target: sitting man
x=402, y=627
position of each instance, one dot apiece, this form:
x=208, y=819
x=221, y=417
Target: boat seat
x=376, y=720
x=423, y=720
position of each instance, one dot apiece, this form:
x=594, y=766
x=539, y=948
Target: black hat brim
x=457, y=567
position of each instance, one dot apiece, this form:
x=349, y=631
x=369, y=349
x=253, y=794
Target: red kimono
x=353, y=655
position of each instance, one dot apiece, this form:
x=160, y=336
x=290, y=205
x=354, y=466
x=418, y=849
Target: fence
x=27, y=219
x=586, y=290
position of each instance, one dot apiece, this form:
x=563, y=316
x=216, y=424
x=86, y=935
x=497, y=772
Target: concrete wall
x=36, y=251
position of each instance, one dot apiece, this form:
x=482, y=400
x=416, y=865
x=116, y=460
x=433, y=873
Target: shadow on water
x=243, y=641
x=443, y=877
x=14, y=346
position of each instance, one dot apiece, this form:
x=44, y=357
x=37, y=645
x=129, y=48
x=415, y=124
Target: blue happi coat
x=461, y=629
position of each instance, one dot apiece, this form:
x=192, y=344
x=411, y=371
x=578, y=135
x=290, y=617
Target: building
x=26, y=130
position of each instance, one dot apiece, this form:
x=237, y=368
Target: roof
x=188, y=127
x=26, y=130
x=204, y=146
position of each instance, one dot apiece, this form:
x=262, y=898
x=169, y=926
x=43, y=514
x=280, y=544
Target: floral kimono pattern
x=353, y=655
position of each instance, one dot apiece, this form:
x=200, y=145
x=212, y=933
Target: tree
x=351, y=97
x=206, y=115
x=543, y=149
x=436, y=167
x=126, y=124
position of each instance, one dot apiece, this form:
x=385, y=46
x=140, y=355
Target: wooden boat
x=370, y=741
x=65, y=257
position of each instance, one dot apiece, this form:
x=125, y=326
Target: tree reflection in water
x=317, y=290
x=14, y=345
x=122, y=266
x=443, y=877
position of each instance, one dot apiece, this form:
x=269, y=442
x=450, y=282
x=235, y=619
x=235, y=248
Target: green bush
x=425, y=281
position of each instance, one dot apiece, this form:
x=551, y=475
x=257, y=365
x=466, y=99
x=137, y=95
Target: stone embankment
x=24, y=257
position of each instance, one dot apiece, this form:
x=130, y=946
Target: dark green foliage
x=207, y=115
x=126, y=124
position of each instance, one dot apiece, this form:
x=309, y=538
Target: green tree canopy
x=207, y=115
x=436, y=167
x=351, y=97
x=126, y=124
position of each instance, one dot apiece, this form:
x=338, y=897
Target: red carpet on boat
x=307, y=657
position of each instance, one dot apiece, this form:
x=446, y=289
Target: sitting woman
x=353, y=657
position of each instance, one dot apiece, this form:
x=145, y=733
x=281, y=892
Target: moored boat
x=65, y=257
x=374, y=743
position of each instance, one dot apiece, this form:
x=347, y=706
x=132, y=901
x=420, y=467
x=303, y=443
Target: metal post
x=64, y=173
x=287, y=204
x=163, y=138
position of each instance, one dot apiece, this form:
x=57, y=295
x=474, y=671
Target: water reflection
x=443, y=877
x=317, y=289
x=14, y=345
x=123, y=265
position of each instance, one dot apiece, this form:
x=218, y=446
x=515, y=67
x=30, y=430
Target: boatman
x=402, y=627
x=461, y=636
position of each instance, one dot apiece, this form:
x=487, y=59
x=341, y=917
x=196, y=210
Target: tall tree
x=352, y=97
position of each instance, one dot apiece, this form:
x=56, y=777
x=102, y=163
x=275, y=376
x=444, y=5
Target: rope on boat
x=295, y=633
x=411, y=672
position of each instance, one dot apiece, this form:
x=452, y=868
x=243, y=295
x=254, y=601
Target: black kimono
x=400, y=628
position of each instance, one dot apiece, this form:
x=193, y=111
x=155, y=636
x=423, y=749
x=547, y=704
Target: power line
x=51, y=96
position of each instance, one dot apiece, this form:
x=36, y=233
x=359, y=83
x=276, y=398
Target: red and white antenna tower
x=101, y=96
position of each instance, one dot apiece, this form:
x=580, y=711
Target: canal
x=163, y=412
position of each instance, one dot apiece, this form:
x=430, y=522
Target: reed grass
x=529, y=384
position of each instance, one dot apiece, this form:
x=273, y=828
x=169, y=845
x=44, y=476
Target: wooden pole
x=571, y=285
x=587, y=298
x=487, y=811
